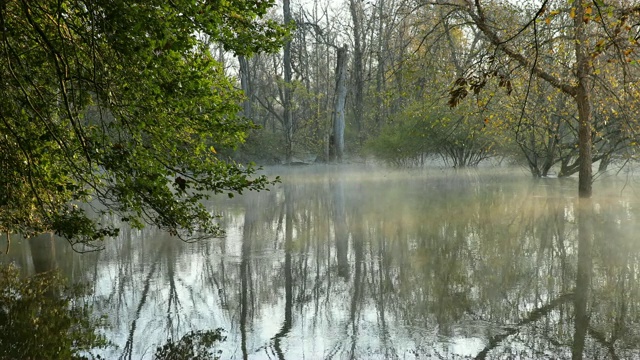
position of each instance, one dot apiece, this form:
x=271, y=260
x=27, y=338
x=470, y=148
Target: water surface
x=339, y=263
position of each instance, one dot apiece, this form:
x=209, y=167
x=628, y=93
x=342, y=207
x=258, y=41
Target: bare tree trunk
x=583, y=101
x=340, y=98
x=382, y=48
x=245, y=83
x=358, y=65
x=286, y=101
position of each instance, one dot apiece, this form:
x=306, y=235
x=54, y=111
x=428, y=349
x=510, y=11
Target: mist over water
x=361, y=263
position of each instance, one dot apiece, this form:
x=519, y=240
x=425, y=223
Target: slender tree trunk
x=584, y=136
x=585, y=232
x=358, y=66
x=583, y=101
x=286, y=101
x=245, y=83
x=380, y=58
x=340, y=98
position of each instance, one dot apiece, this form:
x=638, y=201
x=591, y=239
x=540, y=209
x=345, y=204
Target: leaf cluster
x=474, y=83
x=120, y=104
x=196, y=345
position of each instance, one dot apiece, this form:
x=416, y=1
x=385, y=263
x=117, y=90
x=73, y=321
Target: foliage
x=463, y=137
x=585, y=49
x=543, y=123
x=41, y=318
x=195, y=345
x=120, y=103
x=262, y=147
x=400, y=142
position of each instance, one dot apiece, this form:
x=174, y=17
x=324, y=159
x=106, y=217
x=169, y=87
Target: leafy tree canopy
x=120, y=105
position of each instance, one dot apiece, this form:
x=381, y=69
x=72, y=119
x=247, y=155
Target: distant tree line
x=550, y=85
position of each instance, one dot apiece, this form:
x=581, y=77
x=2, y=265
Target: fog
x=369, y=262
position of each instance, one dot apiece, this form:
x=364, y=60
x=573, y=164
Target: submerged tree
x=120, y=104
x=578, y=47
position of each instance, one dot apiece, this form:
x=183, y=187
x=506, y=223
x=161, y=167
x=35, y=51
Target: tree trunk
x=583, y=101
x=340, y=98
x=358, y=66
x=584, y=138
x=579, y=92
x=380, y=59
x=245, y=83
x=286, y=101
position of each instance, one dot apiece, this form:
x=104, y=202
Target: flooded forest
x=317, y=179
x=380, y=264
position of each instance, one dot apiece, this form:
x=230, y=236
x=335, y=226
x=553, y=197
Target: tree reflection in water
x=356, y=264
x=41, y=315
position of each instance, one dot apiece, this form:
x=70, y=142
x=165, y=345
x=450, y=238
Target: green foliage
x=40, y=318
x=120, y=102
x=263, y=147
x=398, y=143
x=196, y=345
x=461, y=137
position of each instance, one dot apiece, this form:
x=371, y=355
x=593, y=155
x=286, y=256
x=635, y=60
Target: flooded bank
x=378, y=263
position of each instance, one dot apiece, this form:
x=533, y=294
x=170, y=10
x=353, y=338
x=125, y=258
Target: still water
x=338, y=263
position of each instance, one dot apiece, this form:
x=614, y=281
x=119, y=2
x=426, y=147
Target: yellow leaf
x=588, y=10
x=573, y=13
x=213, y=150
